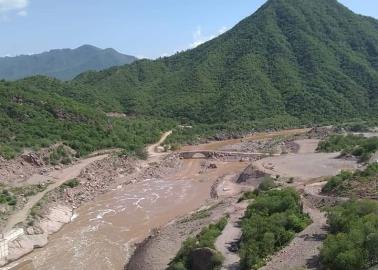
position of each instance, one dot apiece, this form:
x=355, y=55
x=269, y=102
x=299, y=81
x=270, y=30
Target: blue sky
x=144, y=28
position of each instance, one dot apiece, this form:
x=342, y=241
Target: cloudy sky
x=144, y=28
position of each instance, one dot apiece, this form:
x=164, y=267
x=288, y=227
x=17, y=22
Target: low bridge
x=210, y=154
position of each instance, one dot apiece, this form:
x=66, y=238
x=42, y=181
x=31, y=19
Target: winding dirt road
x=230, y=235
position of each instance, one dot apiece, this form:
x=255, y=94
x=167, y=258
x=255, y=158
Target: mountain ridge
x=64, y=64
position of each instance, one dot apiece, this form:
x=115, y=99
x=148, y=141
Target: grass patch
x=8, y=198
x=30, y=190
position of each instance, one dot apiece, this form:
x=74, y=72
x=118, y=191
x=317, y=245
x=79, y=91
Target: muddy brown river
x=103, y=232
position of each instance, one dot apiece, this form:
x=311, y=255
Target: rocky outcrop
x=249, y=173
x=33, y=159
x=37, y=236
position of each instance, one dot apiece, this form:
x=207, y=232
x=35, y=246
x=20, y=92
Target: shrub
x=354, y=184
x=7, y=198
x=205, y=239
x=267, y=184
x=352, y=243
x=270, y=222
x=72, y=183
x=359, y=146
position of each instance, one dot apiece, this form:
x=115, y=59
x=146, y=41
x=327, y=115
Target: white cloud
x=18, y=6
x=199, y=38
x=22, y=13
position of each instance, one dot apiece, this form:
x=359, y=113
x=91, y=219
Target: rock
x=33, y=159
x=25, y=244
x=249, y=173
x=30, y=230
x=57, y=217
x=213, y=166
x=160, y=149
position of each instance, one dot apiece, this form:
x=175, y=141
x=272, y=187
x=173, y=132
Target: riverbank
x=118, y=219
x=48, y=211
x=297, y=167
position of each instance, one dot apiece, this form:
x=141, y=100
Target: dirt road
x=151, y=149
x=230, y=235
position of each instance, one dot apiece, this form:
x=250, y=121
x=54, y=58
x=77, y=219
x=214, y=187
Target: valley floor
x=146, y=196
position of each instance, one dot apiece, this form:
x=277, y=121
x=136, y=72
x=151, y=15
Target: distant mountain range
x=64, y=64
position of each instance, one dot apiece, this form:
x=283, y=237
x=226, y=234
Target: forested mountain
x=293, y=62
x=306, y=60
x=63, y=64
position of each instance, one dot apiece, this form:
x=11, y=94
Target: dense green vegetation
x=206, y=239
x=270, y=223
x=33, y=116
x=361, y=184
x=293, y=62
x=63, y=64
x=356, y=145
x=353, y=238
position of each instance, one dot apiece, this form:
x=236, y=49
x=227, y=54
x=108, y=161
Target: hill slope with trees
x=303, y=61
x=292, y=62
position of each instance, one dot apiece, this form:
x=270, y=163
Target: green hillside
x=63, y=64
x=291, y=63
x=32, y=116
x=299, y=60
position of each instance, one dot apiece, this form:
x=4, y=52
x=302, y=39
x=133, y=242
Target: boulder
x=33, y=159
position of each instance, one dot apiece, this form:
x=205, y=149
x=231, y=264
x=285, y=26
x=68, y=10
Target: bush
x=249, y=195
x=205, y=239
x=7, y=152
x=267, y=184
x=352, y=243
x=7, y=198
x=72, y=183
x=359, y=146
x=270, y=222
x=354, y=184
